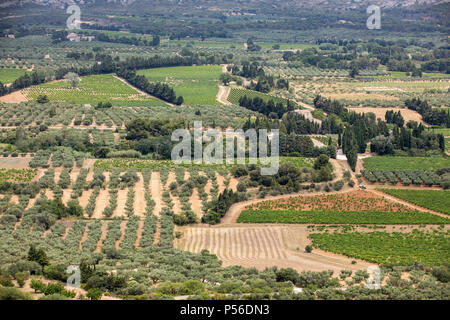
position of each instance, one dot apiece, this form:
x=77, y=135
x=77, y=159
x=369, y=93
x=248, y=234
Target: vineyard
x=338, y=217
x=17, y=175
x=437, y=200
x=348, y=201
x=357, y=207
x=92, y=89
x=431, y=248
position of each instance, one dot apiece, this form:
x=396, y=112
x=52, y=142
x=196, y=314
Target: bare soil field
x=121, y=199
x=381, y=112
x=156, y=191
x=139, y=197
x=102, y=237
x=15, y=163
x=196, y=204
x=14, y=97
x=139, y=233
x=360, y=96
x=262, y=246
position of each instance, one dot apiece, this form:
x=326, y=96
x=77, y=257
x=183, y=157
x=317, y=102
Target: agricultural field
x=140, y=164
x=357, y=207
x=9, y=75
x=74, y=115
x=260, y=247
x=406, y=163
x=431, y=248
x=17, y=175
x=236, y=94
x=286, y=46
x=408, y=115
x=376, y=93
x=437, y=200
x=198, y=85
x=91, y=90
x=405, y=177
x=87, y=180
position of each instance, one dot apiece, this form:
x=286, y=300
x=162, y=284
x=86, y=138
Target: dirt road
x=223, y=94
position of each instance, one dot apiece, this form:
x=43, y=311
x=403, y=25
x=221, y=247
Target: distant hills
x=231, y=4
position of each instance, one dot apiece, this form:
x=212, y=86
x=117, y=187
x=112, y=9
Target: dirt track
x=222, y=95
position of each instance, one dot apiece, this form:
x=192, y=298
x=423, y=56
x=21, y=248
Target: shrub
x=287, y=274
x=14, y=294
x=241, y=187
x=21, y=277
x=338, y=185
x=6, y=281
x=94, y=294
x=55, y=296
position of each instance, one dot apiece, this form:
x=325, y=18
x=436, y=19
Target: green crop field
x=205, y=44
x=140, y=164
x=406, y=163
x=93, y=89
x=197, y=84
x=287, y=46
x=9, y=75
x=338, y=217
x=382, y=247
x=438, y=200
x=444, y=131
x=236, y=94
x=17, y=175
